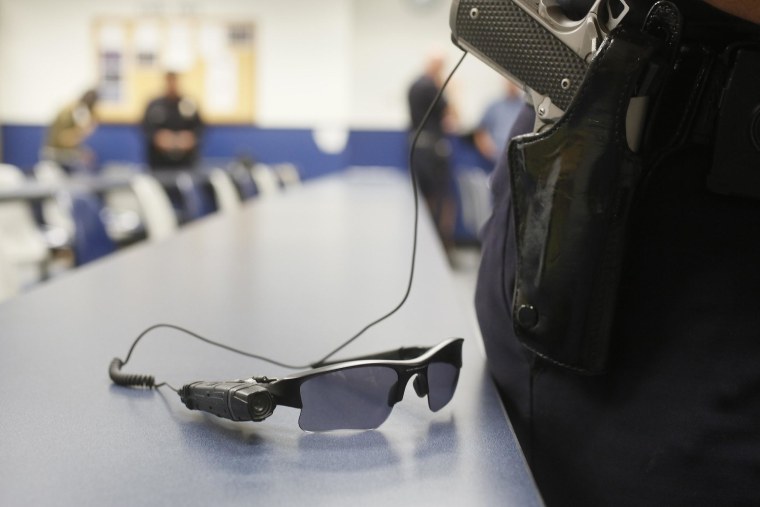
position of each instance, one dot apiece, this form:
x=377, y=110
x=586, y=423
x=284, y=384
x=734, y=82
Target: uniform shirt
x=75, y=119
x=421, y=95
x=175, y=115
x=498, y=119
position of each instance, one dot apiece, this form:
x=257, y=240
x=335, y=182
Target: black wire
x=167, y=384
x=413, y=176
x=210, y=342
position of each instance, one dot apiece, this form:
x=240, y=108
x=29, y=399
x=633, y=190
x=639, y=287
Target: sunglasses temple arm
x=398, y=354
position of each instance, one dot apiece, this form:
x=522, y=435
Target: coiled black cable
x=128, y=379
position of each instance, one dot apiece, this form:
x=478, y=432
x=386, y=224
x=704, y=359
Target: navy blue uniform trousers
x=676, y=418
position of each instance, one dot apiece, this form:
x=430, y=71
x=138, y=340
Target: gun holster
x=573, y=186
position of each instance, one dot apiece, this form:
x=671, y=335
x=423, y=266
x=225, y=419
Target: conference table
x=32, y=190
x=289, y=276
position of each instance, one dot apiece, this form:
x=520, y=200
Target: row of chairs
x=89, y=227
x=23, y=249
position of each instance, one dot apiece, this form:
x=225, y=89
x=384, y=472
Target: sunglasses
x=357, y=393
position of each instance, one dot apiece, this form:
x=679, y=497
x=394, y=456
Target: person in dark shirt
x=172, y=129
x=675, y=418
x=431, y=156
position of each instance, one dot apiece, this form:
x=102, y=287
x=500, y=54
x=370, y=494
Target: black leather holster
x=573, y=187
x=574, y=184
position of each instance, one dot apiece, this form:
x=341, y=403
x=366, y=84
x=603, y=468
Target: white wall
x=391, y=41
x=45, y=57
x=319, y=63
x=302, y=58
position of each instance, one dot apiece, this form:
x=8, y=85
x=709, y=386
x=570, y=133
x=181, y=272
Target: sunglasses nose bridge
x=421, y=385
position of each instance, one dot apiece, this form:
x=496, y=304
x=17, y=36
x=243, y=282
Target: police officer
x=675, y=417
x=172, y=129
x=432, y=151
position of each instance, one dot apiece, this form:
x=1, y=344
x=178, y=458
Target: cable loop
x=123, y=378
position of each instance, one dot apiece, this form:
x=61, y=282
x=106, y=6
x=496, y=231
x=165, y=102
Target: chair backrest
x=122, y=200
x=23, y=242
x=121, y=203
x=265, y=179
x=288, y=175
x=90, y=241
x=10, y=176
x=47, y=171
x=155, y=207
x=54, y=213
x=227, y=196
x=243, y=180
x=195, y=201
x=9, y=281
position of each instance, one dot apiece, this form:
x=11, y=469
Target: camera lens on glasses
x=260, y=404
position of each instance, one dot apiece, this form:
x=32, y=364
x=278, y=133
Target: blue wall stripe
x=272, y=146
x=378, y=147
x=22, y=143
x=21, y=146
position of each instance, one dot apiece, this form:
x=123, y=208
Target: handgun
x=540, y=45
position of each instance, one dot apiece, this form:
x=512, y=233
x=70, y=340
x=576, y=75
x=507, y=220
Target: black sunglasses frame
x=255, y=399
x=406, y=362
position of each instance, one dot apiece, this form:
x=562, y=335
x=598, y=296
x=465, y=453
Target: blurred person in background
x=492, y=133
x=173, y=128
x=433, y=149
x=66, y=135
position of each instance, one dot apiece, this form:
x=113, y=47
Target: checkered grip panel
x=511, y=39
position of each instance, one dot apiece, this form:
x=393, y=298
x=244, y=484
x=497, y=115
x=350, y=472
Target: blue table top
x=290, y=277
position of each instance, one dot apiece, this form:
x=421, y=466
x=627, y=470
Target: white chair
x=9, y=282
x=23, y=243
x=265, y=179
x=10, y=176
x=155, y=207
x=288, y=175
x=122, y=209
x=55, y=213
x=227, y=196
x=47, y=171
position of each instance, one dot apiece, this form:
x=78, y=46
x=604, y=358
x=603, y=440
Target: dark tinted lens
x=442, y=382
x=356, y=398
